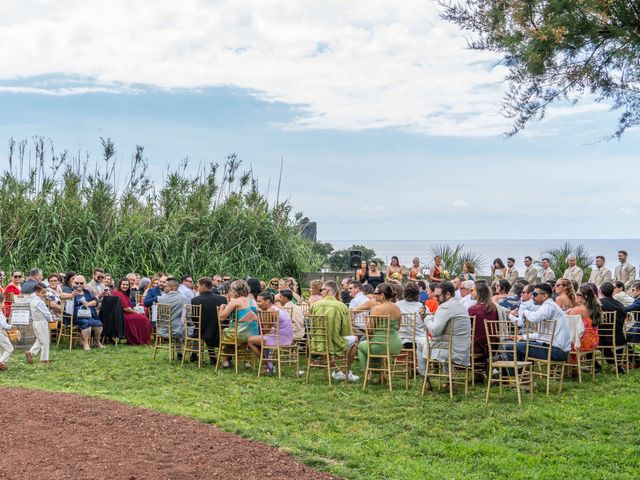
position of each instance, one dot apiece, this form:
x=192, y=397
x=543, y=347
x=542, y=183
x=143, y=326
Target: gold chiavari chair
x=583, y=359
x=540, y=337
x=453, y=373
x=67, y=328
x=358, y=322
x=502, y=338
x=633, y=339
x=378, y=333
x=609, y=350
x=409, y=354
x=163, y=326
x=229, y=344
x=478, y=359
x=193, y=341
x=319, y=355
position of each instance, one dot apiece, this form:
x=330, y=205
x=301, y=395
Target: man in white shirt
x=186, y=286
x=573, y=273
x=526, y=304
x=625, y=272
x=600, y=274
x=511, y=273
x=465, y=294
x=357, y=297
x=531, y=272
x=549, y=310
x=456, y=284
x=547, y=274
x=621, y=295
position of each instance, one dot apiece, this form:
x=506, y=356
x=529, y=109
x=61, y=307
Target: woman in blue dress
x=242, y=310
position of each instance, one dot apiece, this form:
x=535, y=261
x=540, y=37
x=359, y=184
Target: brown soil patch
x=62, y=436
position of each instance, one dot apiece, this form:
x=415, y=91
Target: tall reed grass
x=61, y=211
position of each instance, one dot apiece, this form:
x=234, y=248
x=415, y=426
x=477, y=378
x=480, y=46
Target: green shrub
x=60, y=214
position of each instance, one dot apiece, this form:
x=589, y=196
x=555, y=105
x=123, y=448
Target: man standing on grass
x=341, y=342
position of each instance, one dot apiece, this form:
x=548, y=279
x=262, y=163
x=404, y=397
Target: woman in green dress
x=385, y=295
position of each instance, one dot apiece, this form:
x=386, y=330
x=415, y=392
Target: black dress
x=373, y=281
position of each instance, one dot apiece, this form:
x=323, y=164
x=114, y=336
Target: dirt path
x=62, y=436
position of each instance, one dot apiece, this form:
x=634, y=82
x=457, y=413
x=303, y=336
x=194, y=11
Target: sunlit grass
x=589, y=431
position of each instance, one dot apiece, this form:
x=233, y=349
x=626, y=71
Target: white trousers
x=41, y=345
x=6, y=349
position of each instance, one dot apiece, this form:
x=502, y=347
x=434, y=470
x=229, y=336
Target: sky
x=387, y=125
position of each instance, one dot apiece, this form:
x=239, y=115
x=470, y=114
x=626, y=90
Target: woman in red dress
x=14, y=288
x=137, y=327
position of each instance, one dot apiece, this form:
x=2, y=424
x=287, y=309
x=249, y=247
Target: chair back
x=378, y=332
x=358, y=320
x=473, y=334
x=139, y=298
x=632, y=319
x=318, y=331
x=306, y=308
x=542, y=333
x=193, y=320
x=407, y=326
x=608, y=328
x=269, y=324
x=502, y=336
x=163, y=320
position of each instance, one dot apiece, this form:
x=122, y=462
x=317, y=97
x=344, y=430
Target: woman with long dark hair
x=588, y=307
x=484, y=309
x=137, y=327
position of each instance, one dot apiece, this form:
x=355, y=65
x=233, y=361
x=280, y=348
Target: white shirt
x=186, y=291
x=528, y=306
x=358, y=300
x=405, y=332
x=550, y=310
x=3, y=322
x=467, y=301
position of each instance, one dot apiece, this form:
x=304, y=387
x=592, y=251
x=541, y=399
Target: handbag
x=84, y=312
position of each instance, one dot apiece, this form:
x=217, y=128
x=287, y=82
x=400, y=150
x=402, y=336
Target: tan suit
x=548, y=275
x=574, y=274
x=626, y=274
x=531, y=275
x=511, y=275
x=600, y=275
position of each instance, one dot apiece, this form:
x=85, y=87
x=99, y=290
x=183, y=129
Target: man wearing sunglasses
x=548, y=310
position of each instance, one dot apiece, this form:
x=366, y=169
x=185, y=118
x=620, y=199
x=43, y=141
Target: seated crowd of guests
x=435, y=305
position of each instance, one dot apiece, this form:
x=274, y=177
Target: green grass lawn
x=590, y=431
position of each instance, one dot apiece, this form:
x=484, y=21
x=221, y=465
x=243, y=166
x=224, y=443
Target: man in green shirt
x=339, y=325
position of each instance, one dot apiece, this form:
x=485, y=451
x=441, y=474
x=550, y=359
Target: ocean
x=406, y=250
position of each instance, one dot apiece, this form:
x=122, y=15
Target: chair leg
x=388, y=360
x=486, y=400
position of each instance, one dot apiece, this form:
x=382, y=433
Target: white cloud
x=344, y=64
x=461, y=204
